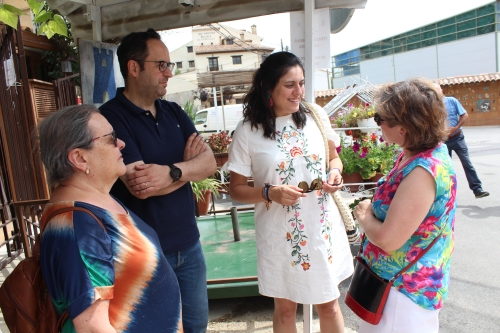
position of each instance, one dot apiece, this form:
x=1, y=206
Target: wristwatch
x=175, y=172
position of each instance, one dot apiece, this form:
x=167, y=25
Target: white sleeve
x=330, y=133
x=239, y=160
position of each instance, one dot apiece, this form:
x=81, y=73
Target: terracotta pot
x=204, y=206
x=352, y=178
x=220, y=158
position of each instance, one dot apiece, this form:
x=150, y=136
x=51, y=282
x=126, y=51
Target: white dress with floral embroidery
x=303, y=253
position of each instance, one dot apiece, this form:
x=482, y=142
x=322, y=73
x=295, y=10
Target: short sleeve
x=239, y=160
x=460, y=109
x=330, y=133
x=77, y=262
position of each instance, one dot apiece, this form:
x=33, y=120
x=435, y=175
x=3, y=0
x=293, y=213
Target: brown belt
x=456, y=133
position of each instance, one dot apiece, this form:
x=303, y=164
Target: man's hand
x=195, y=145
x=148, y=178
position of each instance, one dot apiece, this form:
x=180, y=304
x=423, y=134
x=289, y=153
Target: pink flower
x=293, y=224
x=339, y=148
x=356, y=147
x=375, y=251
x=430, y=294
x=296, y=151
x=297, y=214
x=301, y=227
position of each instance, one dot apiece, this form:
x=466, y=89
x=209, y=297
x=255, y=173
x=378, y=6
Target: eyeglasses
x=316, y=184
x=378, y=119
x=162, y=65
x=113, y=136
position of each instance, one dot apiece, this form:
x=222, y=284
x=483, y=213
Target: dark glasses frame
x=162, y=65
x=378, y=119
x=113, y=136
x=316, y=184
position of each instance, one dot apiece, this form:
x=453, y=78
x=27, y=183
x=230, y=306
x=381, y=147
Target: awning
x=120, y=17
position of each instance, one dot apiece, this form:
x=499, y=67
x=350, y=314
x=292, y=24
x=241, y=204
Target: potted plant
x=202, y=190
x=367, y=155
x=219, y=142
x=356, y=116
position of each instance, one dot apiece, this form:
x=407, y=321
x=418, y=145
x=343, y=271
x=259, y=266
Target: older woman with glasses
x=412, y=206
x=107, y=271
x=302, y=247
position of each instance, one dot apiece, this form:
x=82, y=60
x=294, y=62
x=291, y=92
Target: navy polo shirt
x=156, y=141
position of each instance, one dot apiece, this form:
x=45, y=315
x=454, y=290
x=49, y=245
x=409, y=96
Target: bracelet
x=265, y=194
x=340, y=172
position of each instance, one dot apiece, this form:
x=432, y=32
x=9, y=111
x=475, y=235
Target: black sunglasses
x=162, y=65
x=113, y=136
x=316, y=184
x=378, y=119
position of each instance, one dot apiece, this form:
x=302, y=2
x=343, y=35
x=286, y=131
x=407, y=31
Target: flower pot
x=370, y=122
x=220, y=159
x=204, y=206
x=352, y=178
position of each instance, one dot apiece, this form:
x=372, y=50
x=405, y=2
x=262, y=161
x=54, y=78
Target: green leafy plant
x=189, y=108
x=50, y=22
x=206, y=184
x=367, y=155
x=219, y=142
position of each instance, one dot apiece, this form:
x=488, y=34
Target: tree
x=50, y=22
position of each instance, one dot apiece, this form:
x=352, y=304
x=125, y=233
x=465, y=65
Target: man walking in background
x=456, y=142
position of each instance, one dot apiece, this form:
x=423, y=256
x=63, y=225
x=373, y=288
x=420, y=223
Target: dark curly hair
x=416, y=105
x=256, y=108
x=134, y=46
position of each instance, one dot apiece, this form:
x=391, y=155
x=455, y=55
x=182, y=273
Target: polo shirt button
x=147, y=113
x=156, y=124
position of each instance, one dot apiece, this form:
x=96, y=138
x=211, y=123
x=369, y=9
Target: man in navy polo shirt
x=456, y=142
x=163, y=153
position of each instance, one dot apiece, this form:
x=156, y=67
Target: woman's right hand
x=286, y=195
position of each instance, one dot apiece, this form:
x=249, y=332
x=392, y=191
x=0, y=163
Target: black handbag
x=368, y=292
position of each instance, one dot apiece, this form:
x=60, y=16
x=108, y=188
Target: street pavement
x=474, y=295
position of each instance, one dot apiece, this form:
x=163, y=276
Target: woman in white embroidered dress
x=303, y=253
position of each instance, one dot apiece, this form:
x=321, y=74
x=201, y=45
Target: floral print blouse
x=426, y=282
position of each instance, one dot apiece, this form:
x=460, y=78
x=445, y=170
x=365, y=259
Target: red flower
x=303, y=243
x=430, y=294
x=375, y=251
x=305, y=266
x=296, y=151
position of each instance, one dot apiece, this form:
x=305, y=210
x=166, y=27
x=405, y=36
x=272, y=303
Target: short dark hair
x=256, y=108
x=134, y=46
x=416, y=105
x=59, y=133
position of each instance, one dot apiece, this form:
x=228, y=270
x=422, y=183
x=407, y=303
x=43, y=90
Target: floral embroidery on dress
x=293, y=145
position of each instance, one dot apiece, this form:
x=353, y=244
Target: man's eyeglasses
x=378, y=119
x=162, y=65
x=113, y=136
x=316, y=184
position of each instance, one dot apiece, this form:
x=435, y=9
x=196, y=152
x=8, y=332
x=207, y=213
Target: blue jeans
x=458, y=145
x=191, y=271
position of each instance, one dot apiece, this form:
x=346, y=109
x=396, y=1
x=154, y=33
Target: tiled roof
x=327, y=93
x=469, y=79
x=230, y=48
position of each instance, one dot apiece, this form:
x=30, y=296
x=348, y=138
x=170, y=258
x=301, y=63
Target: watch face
x=175, y=173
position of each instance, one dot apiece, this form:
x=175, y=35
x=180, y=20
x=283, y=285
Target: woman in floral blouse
x=302, y=246
x=414, y=204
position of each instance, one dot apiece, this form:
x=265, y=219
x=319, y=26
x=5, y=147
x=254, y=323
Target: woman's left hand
x=333, y=182
x=362, y=209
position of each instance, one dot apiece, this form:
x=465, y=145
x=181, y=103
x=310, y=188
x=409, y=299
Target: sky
x=380, y=19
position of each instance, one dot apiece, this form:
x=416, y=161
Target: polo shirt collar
x=131, y=107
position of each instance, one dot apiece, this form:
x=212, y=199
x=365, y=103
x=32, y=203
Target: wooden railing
x=29, y=215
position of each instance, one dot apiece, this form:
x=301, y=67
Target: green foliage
x=177, y=71
x=204, y=185
x=50, y=22
x=367, y=155
x=190, y=110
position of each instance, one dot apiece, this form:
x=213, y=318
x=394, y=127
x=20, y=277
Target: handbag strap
x=321, y=128
x=43, y=224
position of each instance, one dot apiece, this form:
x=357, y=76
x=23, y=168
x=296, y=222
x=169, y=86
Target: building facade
x=465, y=44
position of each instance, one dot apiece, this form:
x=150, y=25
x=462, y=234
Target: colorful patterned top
x=426, y=282
x=82, y=263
